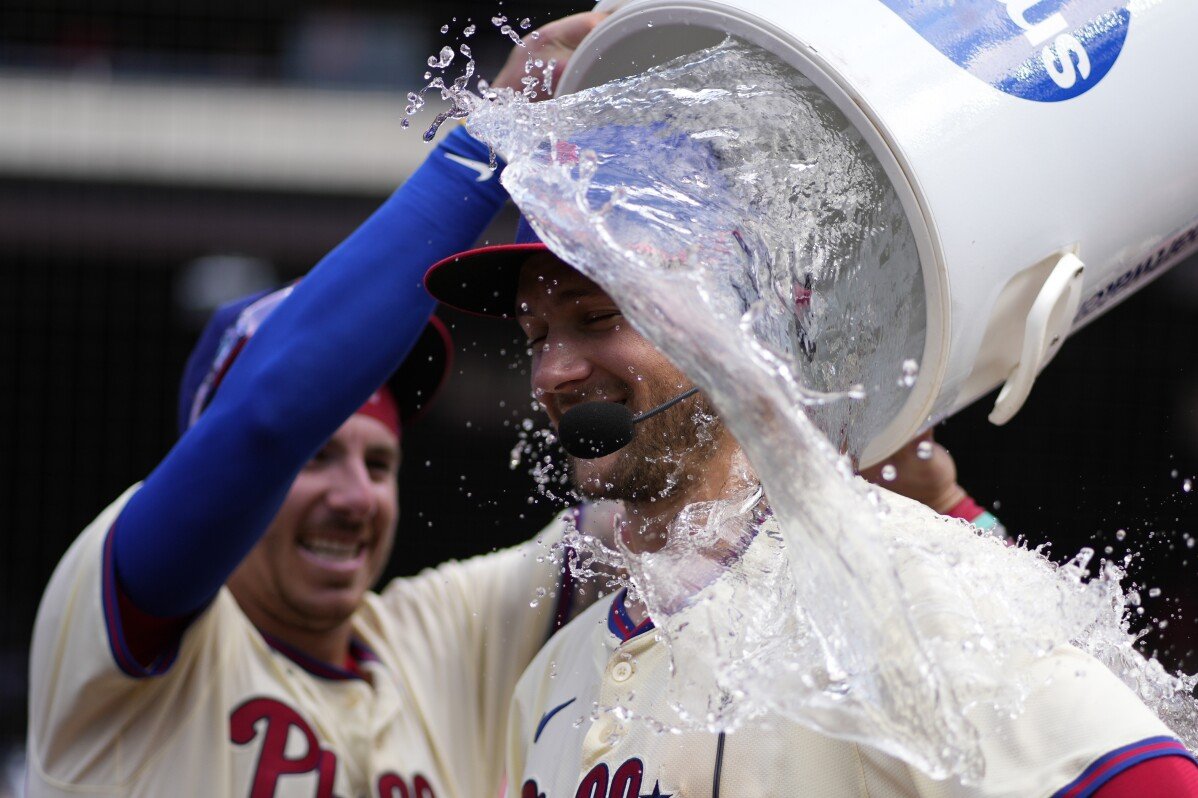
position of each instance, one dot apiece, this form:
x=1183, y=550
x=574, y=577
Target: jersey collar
x=620, y=623
x=359, y=654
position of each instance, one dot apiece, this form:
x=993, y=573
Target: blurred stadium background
x=158, y=158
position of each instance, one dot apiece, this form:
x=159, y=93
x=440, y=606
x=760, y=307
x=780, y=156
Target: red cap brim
x=481, y=281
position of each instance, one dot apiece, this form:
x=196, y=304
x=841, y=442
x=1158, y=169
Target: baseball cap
x=483, y=281
x=413, y=384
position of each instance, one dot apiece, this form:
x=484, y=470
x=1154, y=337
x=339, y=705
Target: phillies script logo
x=271, y=723
x=1042, y=50
x=600, y=782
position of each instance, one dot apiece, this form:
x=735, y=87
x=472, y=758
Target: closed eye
x=602, y=316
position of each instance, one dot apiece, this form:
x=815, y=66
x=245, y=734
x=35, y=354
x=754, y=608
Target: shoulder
x=454, y=577
x=1077, y=716
x=568, y=651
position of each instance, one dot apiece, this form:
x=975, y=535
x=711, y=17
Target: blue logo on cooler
x=1042, y=50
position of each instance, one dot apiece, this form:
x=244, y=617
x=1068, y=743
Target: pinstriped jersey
x=233, y=712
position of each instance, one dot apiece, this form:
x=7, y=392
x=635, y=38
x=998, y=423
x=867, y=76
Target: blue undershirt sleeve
x=347, y=325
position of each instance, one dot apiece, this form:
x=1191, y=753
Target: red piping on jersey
x=620, y=623
x=156, y=639
x=1174, y=776
x=1107, y=767
x=358, y=651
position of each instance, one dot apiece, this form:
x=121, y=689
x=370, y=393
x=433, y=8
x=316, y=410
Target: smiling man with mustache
x=214, y=632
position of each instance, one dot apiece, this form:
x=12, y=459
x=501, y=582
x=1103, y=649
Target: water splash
x=461, y=97
x=747, y=230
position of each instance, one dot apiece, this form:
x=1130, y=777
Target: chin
x=595, y=478
x=327, y=609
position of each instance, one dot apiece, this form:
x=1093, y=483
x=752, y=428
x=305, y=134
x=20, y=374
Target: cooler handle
x=1048, y=323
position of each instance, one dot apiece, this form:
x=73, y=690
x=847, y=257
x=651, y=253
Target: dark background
x=96, y=321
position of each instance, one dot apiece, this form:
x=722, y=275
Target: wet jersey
x=231, y=712
x=1076, y=733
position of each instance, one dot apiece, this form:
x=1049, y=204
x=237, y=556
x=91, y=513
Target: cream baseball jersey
x=233, y=713
x=564, y=740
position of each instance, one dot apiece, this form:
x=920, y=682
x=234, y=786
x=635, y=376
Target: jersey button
x=621, y=671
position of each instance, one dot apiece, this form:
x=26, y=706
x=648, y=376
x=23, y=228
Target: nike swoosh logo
x=545, y=718
x=483, y=169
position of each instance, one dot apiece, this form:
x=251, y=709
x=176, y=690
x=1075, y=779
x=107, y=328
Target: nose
x=352, y=493
x=558, y=366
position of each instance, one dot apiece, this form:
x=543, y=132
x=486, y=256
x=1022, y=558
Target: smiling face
x=331, y=538
x=583, y=350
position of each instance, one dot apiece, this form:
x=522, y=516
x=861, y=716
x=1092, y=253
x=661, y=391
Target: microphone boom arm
x=650, y=413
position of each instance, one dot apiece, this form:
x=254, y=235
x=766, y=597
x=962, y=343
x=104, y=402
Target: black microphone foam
x=595, y=429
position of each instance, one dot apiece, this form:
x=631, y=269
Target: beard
x=665, y=454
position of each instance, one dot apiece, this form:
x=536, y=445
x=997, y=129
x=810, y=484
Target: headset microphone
x=596, y=429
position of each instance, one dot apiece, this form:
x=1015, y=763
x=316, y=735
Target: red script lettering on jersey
x=277, y=720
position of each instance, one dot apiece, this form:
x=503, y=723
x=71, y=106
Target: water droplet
x=924, y=450
x=1153, y=592
x=415, y=103
x=510, y=32
x=445, y=29
x=1082, y=560
x=1187, y=485
x=469, y=30
x=445, y=60
x=1120, y=534
x=525, y=23
x=889, y=472
x=910, y=372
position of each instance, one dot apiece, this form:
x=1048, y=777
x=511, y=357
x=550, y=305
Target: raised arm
x=344, y=328
x=923, y=470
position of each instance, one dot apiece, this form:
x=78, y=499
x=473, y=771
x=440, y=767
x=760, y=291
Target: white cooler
x=1045, y=152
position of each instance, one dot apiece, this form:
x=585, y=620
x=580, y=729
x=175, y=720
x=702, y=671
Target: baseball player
x=213, y=631
x=1086, y=735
